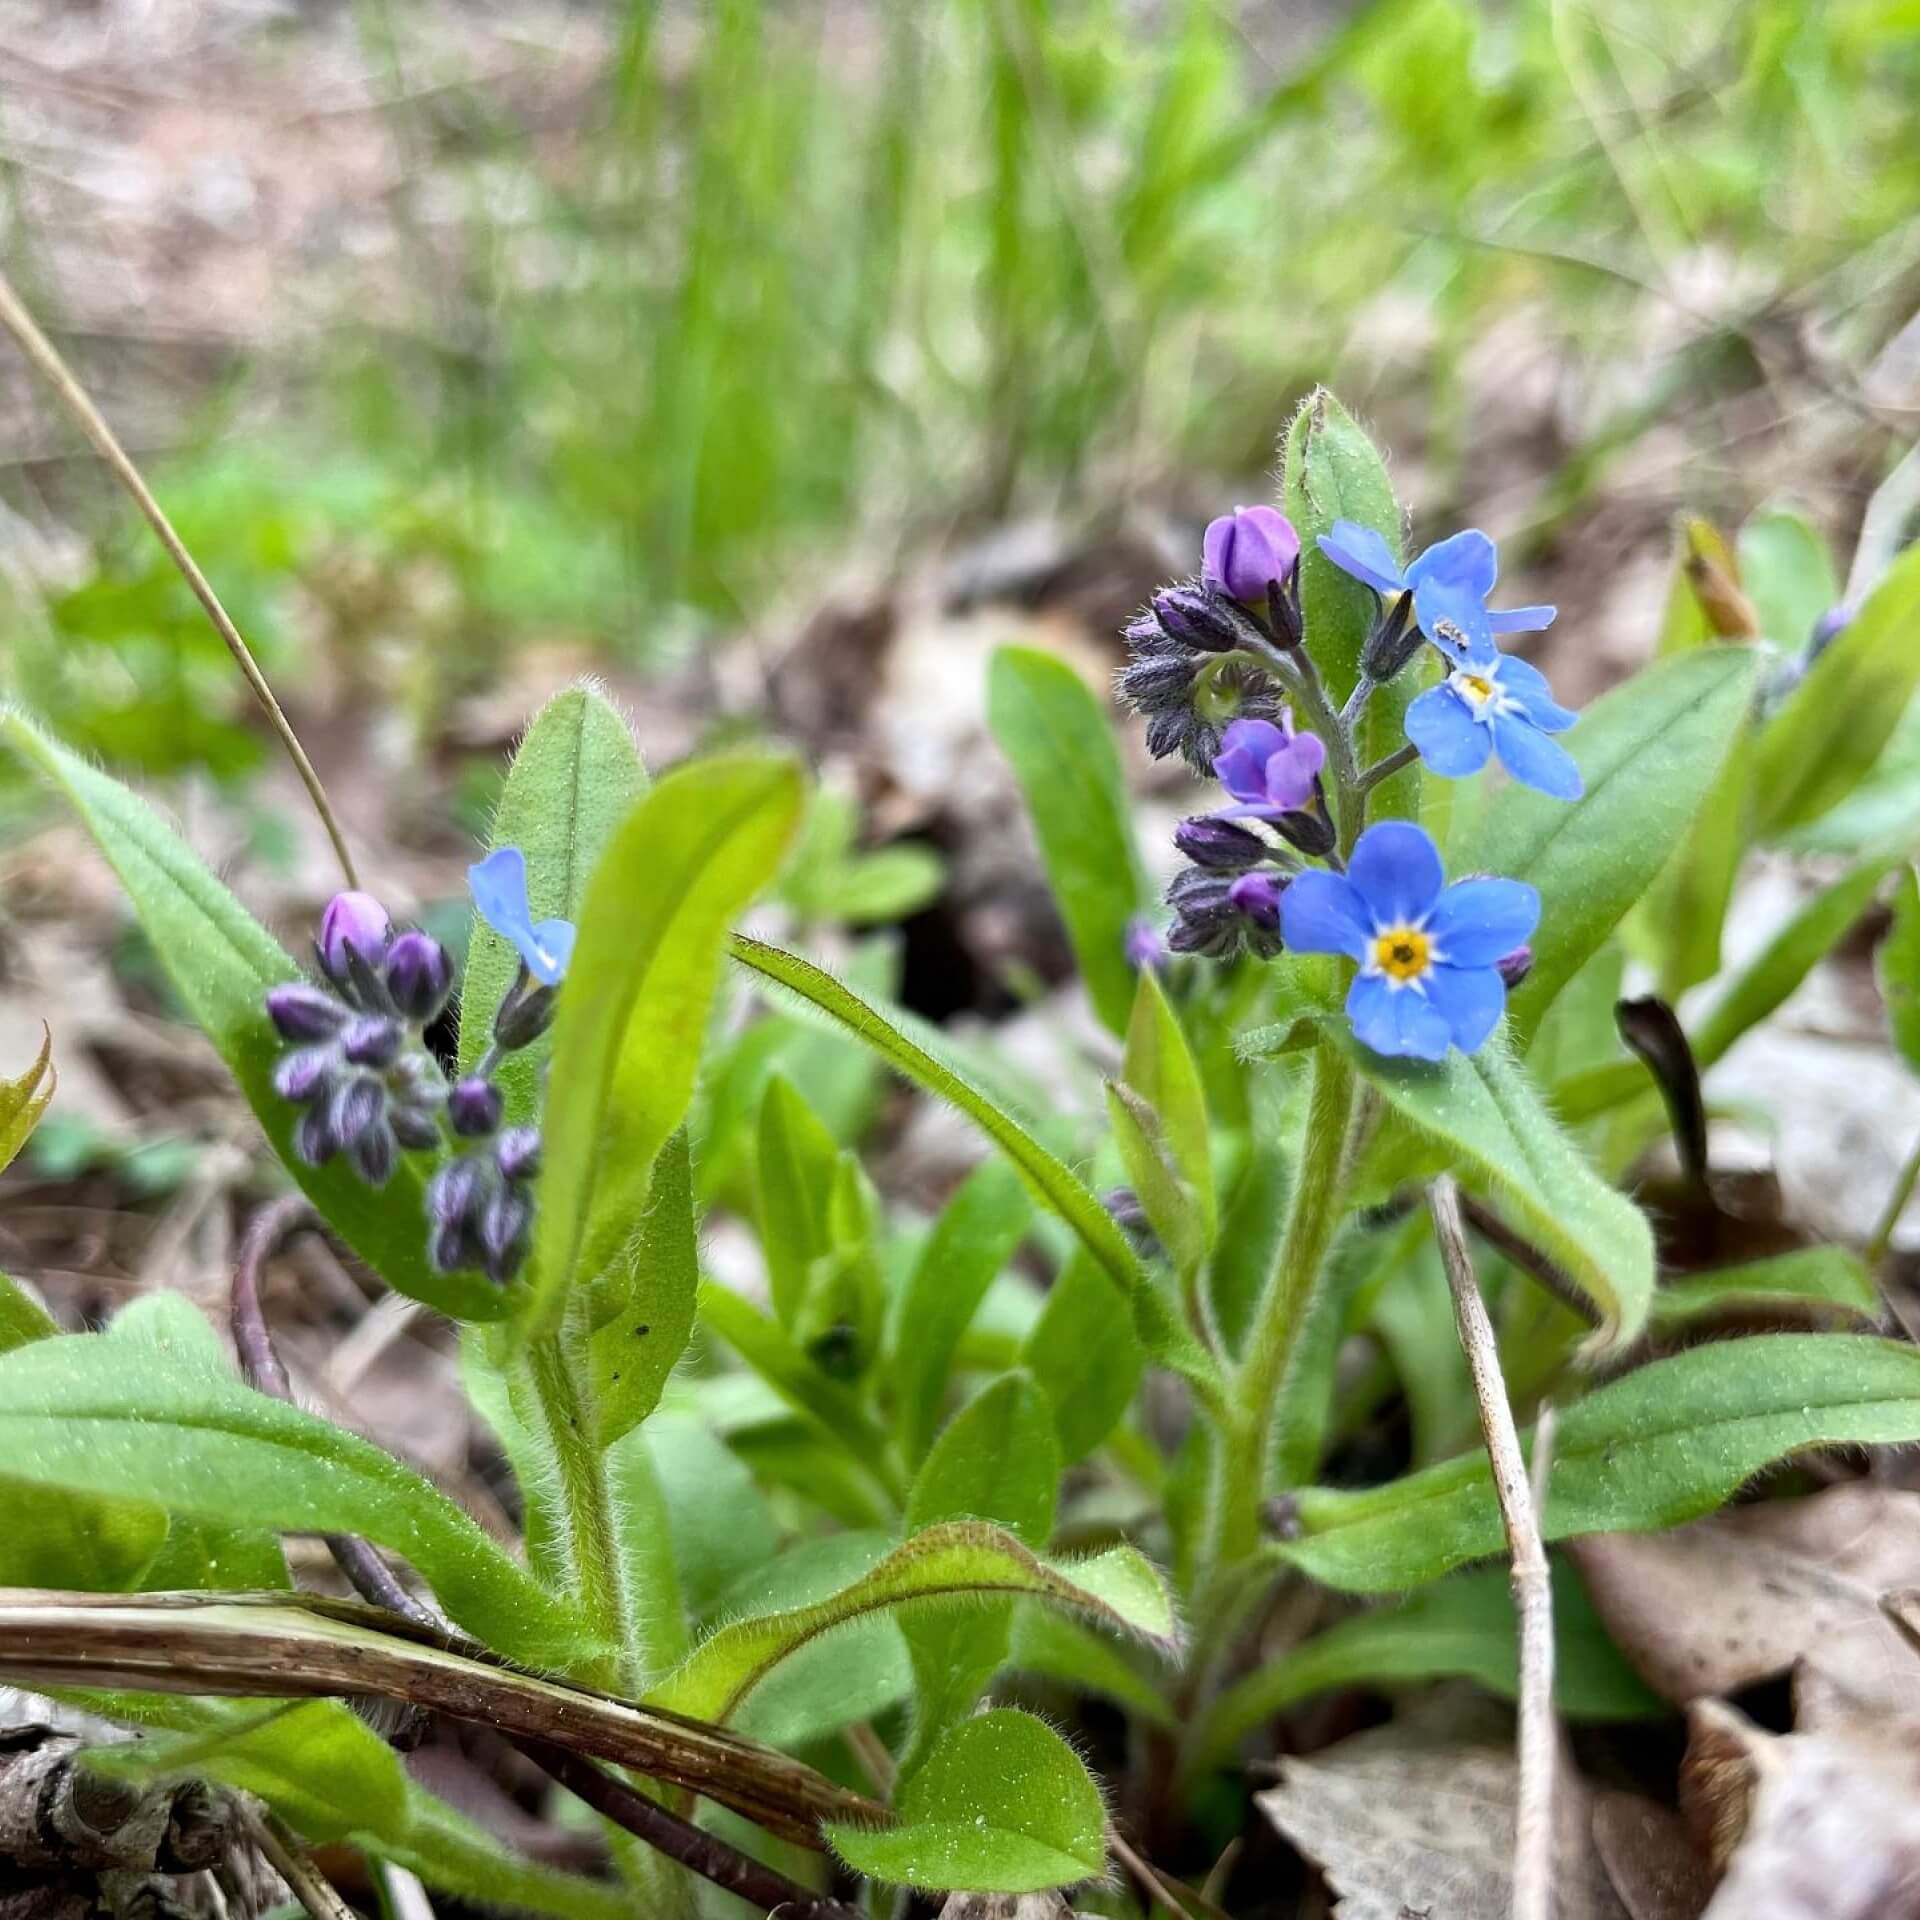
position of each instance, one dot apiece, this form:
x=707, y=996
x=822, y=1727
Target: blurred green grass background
x=777, y=285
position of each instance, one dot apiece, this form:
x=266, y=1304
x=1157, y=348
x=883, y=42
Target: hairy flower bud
x=419, y=975
x=474, y=1106
x=1249, y=552
x=1198, y=617
x=1308, y=828
x=306, y=1074
x=372, y=1040
x=1394, y=641
x=304, y=1012
x=1257, y=895
x=518, y=1153
x=504, y=1225
x=1158, y=683
x=353, y=922
x=415, y=1127
x=524, y=1015
x=1219, y=845
x=1515, y=966
x=1216, y=915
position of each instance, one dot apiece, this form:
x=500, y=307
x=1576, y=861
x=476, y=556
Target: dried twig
x=288, y=1859
x=1532, y=1588
x=47, y=361
x=680, y=1840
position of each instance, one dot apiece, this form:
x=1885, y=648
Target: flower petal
x=1534, y=760
x=1528, y=685
x=1467, y=560
x=1476, y=922
x=1454, y=618
x=549, y=951
x=1365, y=554
x=1396, y=870
x=499, y=887
x=1245, y=749
x=1323, y=913
x=1451, y=741
x=1470, y=1000
x=1400, y=1022
x=1520, y=619
x=1291, y=772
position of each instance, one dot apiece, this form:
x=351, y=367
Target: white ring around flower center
x=1483, y=694
x=1401, y=952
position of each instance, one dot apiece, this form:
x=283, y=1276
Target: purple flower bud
x=1307, y=828
x=524, y=1015
x=503, y=1235
x=1144, y=947
x=1219, y=844
x=372, y=1040
x=304, y=1012
x=474, y=1106
x=1394, y=640
x=305, y=1075
x=419, y=975
x=452, y=1247
x=354, y=921
x=1158, y=683
x=1515, y=966
x=373, y=1153
x=1198, y=617
x=1257, y=895
x=1249, y=551
x=314, y=1139
x=1826, y=630
x=415, y=1127
x=518, y=1153
x=454, y=1193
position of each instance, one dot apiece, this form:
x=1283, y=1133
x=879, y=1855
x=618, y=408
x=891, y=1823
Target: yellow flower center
x=1402, y=953
x=1476, y=684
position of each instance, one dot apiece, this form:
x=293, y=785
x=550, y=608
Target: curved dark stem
x=376, y=1582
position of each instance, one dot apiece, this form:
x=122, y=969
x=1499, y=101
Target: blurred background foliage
x=678, y=308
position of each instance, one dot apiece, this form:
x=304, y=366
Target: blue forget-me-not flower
x=499, y=884
x=1429, y=953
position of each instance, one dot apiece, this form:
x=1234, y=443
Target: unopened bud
x=524, y=1015
x=1257, y=895
x=1219, y=845
x=371, y=1040
x=1394, y=641
x=1198, y=617
x=303, y=1012
x=518, y=1153
x=419, y=975
x=305, y=1075
x=353, y=922
x=1307, y=828
x=474, y=1106
x=1515, y=966
x=415, y=1127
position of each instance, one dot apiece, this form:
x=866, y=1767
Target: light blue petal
x=1520, y=619
x=1467, y=560
x=1365, y=554
x=549, y=951
x=1398, y=1021
x=1528, y=685
x=1478, y=921
x=1323, y=913
x=1396, y=870
x=1470, y=1000
x=1451, y=741
x=1454, y=618
x=499, y=885
x=1534, y=760
x=1245, y=749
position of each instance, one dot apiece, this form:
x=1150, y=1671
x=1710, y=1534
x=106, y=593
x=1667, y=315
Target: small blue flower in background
x=1429, y=953
x=1501, y=706
x=1268, y=770
x=1449, y=582
x=499, y=884
x=1144, y=947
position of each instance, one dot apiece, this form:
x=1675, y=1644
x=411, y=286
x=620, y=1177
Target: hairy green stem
x=1890, y=1214
x=1315, y=1216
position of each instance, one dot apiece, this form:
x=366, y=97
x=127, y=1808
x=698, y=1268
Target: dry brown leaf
x=1814, y=1826
x=1402, y=1823
x=1649, y=1856
x=1742, y=1596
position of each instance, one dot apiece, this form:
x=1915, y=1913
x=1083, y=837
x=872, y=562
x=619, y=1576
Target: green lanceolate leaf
x=1331, y=471
x=24, y=1100
x=22, y=1318
x=959, y=1563
x=1827, y=1281
x=1060, y=740
x=1057, y=1647
x=574, y=778
x=1898, y=967
x=632, y=1016
x=640, y=1314
x=221, y=962
x=971, y=1241
x=1788, y=574
x=1003, y=1805
x=798, y=1159
x=109, y=1415
x=996, y=1460
x=1463, y=1626
x=1052, y=1181
x=334, y=1780
x=1487, y=1115
x=1087, y=1356
x=1650, y=752
x=1830, y=731
x=1160, y=1125
x=1662, y=1445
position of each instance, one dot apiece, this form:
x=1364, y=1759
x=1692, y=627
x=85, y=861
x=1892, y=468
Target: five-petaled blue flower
x=1429, y=954
x=499, y=884
x=1501, y=706
x=1449, y=582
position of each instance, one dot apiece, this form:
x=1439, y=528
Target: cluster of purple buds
x=1218, y=914
x=355, y=1062
x=1192, y=665
x=370, y=1089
